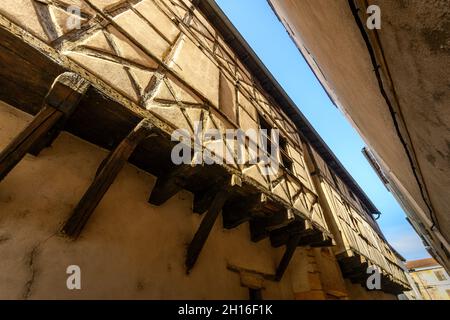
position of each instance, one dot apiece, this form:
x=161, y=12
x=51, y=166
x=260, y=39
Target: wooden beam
x=261, y=227
x=204, y=199
x=62, y=99
x=65, y=95
x=353, y=266
x=208, y=221
x=255, y=294
x=290, y=249
x=170, y=184
x=242, y=209
x=280, y=237
x=359, y=275
x=316, y=239
x=105, y=177
x=258, y=229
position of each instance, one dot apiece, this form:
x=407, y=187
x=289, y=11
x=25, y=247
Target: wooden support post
x=208, y=221
x=105, y=177
x=170, y=184
x=64, y=95
x=290, y=249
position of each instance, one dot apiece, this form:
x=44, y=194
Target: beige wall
x=356, y=292
x=130, y=249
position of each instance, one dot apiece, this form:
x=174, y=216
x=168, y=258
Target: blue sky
x=266, y=35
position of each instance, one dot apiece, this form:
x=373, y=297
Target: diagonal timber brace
x=291, y=245
x=65, y=94
x=294, y=238
x=104, y=178
x=170, y=184
x=208, y=221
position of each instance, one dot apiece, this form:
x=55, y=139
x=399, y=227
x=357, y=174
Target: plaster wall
x=129, y=250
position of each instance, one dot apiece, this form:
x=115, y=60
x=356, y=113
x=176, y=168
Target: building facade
x=92, y=92
x=387, y=78
x=430, y=278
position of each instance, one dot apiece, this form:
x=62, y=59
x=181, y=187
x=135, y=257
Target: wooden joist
x=297, y=233
x=316, y=239
x=359, y=274
x=261, y=227
x=281, y=236
x=60, y=102
x=204, y=199
x=208, y=221
x=105, y=177
x=352, y=264
x=291, y=236
x=355, y=269
x=171, y=183
x=242, y=209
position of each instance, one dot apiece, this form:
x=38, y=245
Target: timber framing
x=214, y=14
x=353, y=263
x=107, y=123
x=106, y=118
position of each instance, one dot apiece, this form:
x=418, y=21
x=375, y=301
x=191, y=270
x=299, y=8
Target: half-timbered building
x=86, y=177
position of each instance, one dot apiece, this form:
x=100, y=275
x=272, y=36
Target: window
x=440, y=275
x=285, y=159
x=255, y=294
x=265, y=126
x=284, y=155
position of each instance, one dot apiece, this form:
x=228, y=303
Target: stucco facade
x=430, y=279
x=172, y=64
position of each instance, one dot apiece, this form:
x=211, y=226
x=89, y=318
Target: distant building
x=430, y=278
